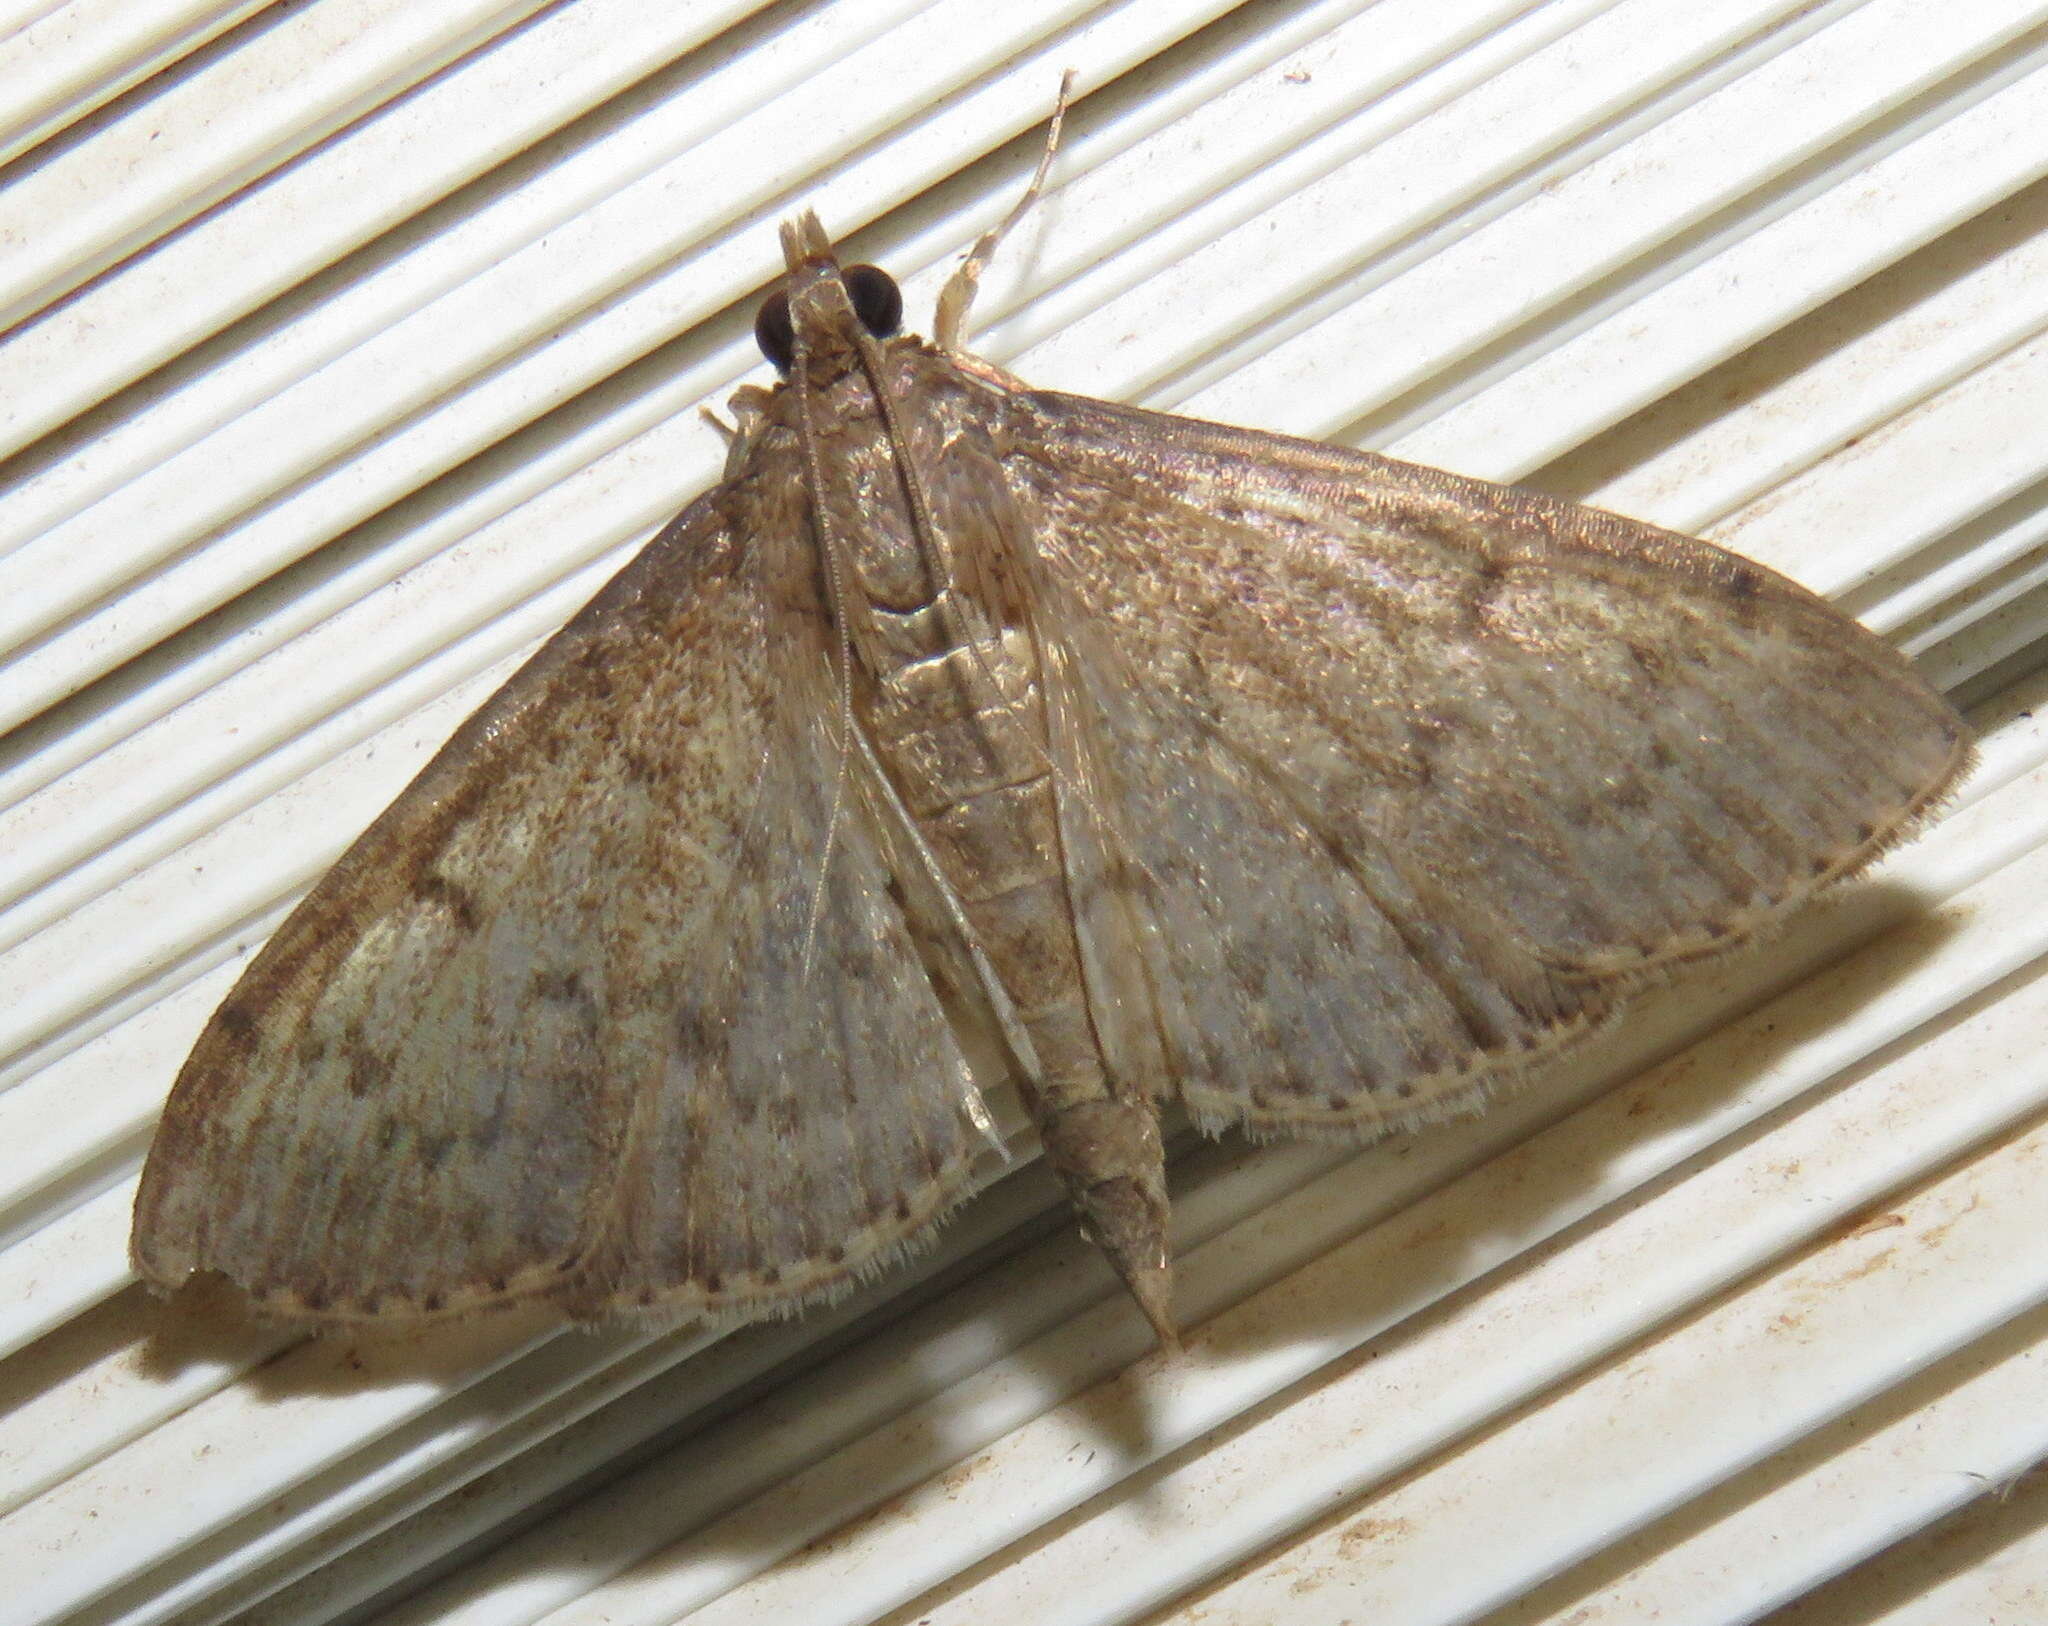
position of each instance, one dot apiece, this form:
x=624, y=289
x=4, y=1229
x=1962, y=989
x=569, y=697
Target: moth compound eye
x=774, y=332
x=877, y=301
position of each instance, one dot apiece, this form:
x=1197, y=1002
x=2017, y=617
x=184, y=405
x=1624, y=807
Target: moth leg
x=949, y=323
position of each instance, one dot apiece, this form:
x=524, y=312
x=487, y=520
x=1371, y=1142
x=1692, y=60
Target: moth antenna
x=817, y=909
x=839, y=779
x=828, y=540
x=950, y=321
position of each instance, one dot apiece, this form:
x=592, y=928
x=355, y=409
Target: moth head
x=823, y=294
x=831, y=314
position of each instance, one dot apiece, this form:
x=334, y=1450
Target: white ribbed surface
x=361, y=344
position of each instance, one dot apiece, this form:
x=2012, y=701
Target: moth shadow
x=208, y=1322
x=1475, y=1203
x=205, y=1323
x=1461, y=1211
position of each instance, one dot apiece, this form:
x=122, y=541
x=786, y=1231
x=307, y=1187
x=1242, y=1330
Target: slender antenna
x=801, y=238
x=951, y=320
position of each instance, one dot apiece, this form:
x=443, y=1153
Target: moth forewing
x=1319, y=792
x=1699, y=721
x=569, y=1021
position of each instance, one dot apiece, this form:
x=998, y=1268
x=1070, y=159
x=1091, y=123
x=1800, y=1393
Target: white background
x=357, y=341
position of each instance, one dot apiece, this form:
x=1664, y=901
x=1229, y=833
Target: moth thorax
x=896, y=572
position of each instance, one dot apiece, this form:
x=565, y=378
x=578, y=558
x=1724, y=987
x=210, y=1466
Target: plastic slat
x=1763, y=268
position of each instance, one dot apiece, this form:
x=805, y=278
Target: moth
x=1318, y=793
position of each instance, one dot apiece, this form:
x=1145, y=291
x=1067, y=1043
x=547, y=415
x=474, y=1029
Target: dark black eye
x=877, y=301
x=774, y=332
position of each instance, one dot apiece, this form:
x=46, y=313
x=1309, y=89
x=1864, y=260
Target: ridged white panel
x=360, y=343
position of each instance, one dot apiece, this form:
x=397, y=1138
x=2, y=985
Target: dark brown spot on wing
x=235, y=1025
x=752, y=859
x=701, y=1038
x=639, y=768
x=450, y=896
x=1649, y=659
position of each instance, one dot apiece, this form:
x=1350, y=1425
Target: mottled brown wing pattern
x=573, y=1019
x=1402, y=779
x=1270, y=972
